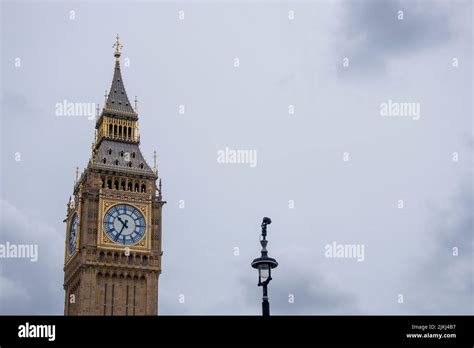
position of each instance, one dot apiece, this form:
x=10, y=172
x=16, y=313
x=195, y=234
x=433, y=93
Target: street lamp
x=264, y=265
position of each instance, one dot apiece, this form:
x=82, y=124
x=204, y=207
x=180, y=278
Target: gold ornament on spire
x=154, y=161
x=118, y=47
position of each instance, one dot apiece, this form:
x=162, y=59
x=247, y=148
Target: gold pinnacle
x=118, y=47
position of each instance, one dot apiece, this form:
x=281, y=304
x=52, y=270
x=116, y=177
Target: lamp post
x=264, y=265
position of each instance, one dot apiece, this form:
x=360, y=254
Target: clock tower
x=113, y=222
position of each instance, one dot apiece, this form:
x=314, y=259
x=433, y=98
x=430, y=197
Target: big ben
x=113, y=221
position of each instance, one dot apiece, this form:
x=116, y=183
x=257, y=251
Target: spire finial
x=136, y=104
x=154, y=161
x=118, y=47
x=77, y=173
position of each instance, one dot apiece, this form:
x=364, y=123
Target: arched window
x=129, y=132
x=142, y=165
x=136, y=187
x=130, y=186
x=130, y=163
x=123, y=185
x=116, y=162
x=120, y=131
x=133, y=154
x=143, y=188
x=115, y=130
x=109, y=184
x=109, y=151
x=116, y=185
x=110, y=129
x=103, y=182
x=104, y=160
x=121, y=153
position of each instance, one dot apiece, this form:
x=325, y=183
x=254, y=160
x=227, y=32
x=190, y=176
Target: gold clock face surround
x=106, y=240
x=124, y=224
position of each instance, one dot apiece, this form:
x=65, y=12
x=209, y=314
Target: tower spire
x=116, y=100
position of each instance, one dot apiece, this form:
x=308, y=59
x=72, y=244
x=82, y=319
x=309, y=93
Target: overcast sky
x=335, y=170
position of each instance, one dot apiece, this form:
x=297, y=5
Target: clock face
x=124, y=224
x=72, y=233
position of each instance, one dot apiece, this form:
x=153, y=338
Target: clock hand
x=118, y=235
x=124, y=225
x=119, y=219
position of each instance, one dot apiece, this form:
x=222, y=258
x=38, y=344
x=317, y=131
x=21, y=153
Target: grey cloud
x=290, y=292
x=17, y=104
x=30, y=287
x=372, y=33
x=311, y=294
x=443, y=283
x=294, y=291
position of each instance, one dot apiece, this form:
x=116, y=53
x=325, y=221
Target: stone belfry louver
x=113, y=222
